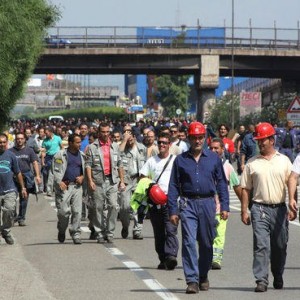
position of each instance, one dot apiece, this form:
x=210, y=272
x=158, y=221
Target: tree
x=174, y=92
x=221, y=111
x=23, y=26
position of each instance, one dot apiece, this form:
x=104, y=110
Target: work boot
x=22, y=223
x=9, y=239
x=61, y=237
x=278, y=283
x=192, y=288
x=260, y=288
x=215, y=266
x=109, y=239
x=124, y=232
x=171, y=262
x=203, y=284
x=161, y=266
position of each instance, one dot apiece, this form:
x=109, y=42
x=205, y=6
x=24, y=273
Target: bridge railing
x=175, y=37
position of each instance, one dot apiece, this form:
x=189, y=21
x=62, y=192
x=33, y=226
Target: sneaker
x=215, y=266
x=192, y=288
x=61, y=237
x=124, y=232
x=9, y=239
x=22, y=223
x=161, y=266
x=278, y=283
x=49, y=194
x=77, y=241
x=137, y=236
x=260, y=288
x=171, y=262
x=204, y=284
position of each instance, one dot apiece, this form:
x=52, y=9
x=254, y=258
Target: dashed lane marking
x=142, y=274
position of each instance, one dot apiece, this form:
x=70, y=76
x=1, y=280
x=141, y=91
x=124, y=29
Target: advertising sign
x=250, y=102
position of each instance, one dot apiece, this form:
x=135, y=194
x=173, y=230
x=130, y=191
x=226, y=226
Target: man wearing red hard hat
x=267, y=174
x=197, y=175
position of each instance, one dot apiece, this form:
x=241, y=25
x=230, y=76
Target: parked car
x=54, y=41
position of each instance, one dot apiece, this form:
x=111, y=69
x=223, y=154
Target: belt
x=134, y=176
x=271, y=205
x=107, y=176
x=199, y=196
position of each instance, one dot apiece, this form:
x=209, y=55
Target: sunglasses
x=174, y=131
x=162, y=143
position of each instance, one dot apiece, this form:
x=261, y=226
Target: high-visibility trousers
x=219, y=241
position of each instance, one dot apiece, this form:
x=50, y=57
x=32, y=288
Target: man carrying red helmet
x=197, y=175
x=158, y=168
x=267, y=174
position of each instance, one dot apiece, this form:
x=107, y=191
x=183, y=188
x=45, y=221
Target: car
x=54, y=41
x=56, y=118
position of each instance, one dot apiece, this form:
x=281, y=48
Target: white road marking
x=151, y=283
x=159, y=289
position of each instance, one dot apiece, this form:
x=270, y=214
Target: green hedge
x=92, y=113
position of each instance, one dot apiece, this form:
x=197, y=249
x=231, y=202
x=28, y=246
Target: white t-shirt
x=296, y=165
x=154, y=166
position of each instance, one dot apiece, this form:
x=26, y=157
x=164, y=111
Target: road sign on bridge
x=293, y=111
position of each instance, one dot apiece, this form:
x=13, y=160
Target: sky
x=262, y=13
x=209, y=13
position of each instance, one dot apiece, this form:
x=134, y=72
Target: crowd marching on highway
x=171, y=171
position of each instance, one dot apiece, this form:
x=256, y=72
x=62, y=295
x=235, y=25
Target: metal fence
x=127, y=36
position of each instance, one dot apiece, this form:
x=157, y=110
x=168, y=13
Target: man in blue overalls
x=197, y=175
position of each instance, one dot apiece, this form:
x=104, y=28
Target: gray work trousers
x=104, y=197
x=69, y=203
x=8, y=207
x=270, y=237
x=125, y=210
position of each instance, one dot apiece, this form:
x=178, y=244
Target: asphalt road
x=38, y=267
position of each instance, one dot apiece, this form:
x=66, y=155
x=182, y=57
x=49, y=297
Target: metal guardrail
x=244, y=37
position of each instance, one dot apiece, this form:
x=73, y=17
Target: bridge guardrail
x=244, y=37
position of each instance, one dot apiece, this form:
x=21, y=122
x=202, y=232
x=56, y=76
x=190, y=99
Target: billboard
x=250, y=102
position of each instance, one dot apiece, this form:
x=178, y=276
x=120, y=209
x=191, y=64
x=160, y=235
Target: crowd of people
x=172, y=171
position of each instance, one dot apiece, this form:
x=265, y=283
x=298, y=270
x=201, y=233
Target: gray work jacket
x=59, y=167
x=95, y=161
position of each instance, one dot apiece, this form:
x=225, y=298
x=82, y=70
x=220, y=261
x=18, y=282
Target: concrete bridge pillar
x=290, y=86
x=205, y=83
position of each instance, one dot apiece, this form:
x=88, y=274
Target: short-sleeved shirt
x=8, y=168
x=26, y=156
x=74, y=167
x=153, y=168
x=296, y=165
x=268, y=178
x=52, y=146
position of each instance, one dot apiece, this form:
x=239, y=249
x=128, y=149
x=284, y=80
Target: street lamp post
x=232, y=64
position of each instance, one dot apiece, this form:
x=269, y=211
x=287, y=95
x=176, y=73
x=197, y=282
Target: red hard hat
x=157, y=195
x=263, y=130
x=196, y=128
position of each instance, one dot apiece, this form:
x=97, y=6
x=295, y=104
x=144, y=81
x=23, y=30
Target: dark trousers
x=165, y=233
x=46, y=169
x=22, y=207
